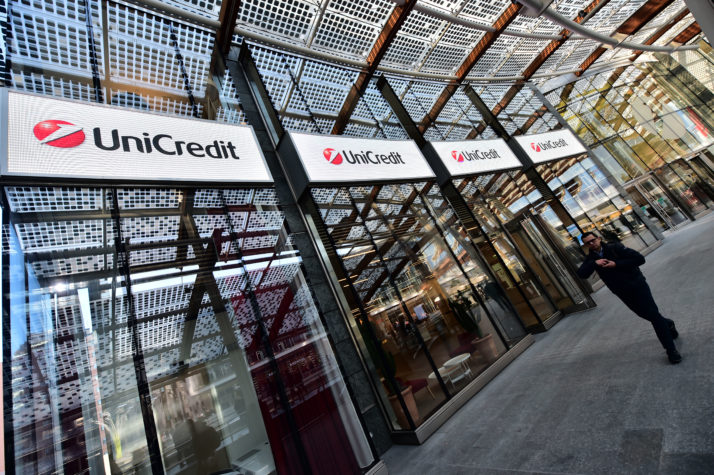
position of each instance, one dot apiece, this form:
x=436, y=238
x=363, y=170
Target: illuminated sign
x=550, y=145
x=332, y=158
x=56, y=138
x=471, y=157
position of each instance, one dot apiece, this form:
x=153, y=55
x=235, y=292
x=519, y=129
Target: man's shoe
x=674, y=356
x=673, y=330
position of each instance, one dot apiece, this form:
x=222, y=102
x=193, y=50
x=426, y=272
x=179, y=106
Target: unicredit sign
x=334, y=158
x=164, y=144
x=551, y=145
x=361, y=157
x=475, y=156
x=50, y=137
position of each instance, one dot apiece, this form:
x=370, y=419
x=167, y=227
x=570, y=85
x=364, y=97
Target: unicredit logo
x=362, y=157
x=475, y=154
x=58, y=133
x=332, y=156
x=548, y=145
x=457, y=156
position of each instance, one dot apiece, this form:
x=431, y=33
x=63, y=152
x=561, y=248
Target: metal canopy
x=318, y=57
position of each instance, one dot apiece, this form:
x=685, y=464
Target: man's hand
x=607, y=263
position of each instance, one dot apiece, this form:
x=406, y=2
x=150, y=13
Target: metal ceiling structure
x=318, y=56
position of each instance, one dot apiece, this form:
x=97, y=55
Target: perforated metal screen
x=149, y=59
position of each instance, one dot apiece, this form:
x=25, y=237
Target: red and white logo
x=332, y=156
x=58, y=133
x=535, y=146
x=457, y=156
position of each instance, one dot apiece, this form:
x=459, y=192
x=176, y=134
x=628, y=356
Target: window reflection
x=417, y=291
x=167, y=326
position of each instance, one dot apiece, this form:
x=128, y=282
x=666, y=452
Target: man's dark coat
x=626, y=273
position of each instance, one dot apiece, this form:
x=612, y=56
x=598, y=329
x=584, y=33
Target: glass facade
x=166, y=329
x=173, y=329
x=642, y=123
x=517, y=208
x=430, y=315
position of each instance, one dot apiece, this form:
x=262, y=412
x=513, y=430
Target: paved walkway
x=595, y=394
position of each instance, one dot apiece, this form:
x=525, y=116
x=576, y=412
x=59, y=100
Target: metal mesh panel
x=354, y=129
x=445, y=58
x=46, y=236
x=406, y=51
x=613, y=14
x=54, y=86
x=458, y=132
x=148, y=198
x=142, y=38
x=395, y=132
x=433, y=133
x=5, y=34
x=377, y=104
x=569, y=8
x=345, y=35
x=293, y=19
x=207, y=8
x=460, y=35
x=580, y=54
x=323, y=86
x=295, y=124
x=493, y=93
x=484, y=11
x=50, y=34
x=155, y=103
x=675, y=30
x=534, y=25
x=525, y=53
x=25, y=199
x=419, y=98
x=494, y=56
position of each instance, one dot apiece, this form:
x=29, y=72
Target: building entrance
x=546, y=257
x=656, y=203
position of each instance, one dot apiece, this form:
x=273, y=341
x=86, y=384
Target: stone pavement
x=596, y=394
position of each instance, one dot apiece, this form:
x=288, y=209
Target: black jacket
x=626, y=273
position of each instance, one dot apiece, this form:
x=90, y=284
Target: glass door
x=660, y=203
x=650, y=211
x=521, y=284
x=542, y=255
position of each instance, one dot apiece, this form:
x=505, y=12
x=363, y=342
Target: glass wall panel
x=687, y=198
x=510, y=199
x=625, y=157
x=429, y=315
x=591, y=200
x=167, y=327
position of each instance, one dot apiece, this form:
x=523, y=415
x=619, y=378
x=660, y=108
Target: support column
x=269, y=132
x=647, y=222
x=453, y=196
x=704, y=14
x=528, y=165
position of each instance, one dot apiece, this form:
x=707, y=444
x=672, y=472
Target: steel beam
x=486, y=41
x=379, y=49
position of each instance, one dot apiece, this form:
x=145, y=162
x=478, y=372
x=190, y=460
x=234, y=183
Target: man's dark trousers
x=627, y=282
x=638, y=298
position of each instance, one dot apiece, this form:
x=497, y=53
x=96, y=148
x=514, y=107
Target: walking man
x=618, y=267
